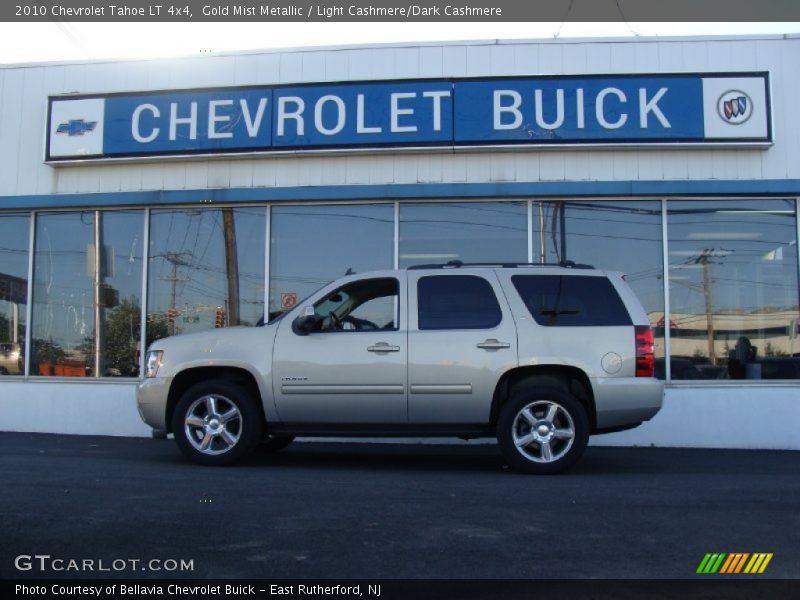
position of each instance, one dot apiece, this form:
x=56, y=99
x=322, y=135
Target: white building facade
x=141, y=199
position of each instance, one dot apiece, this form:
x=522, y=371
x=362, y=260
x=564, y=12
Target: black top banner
x=401, y=10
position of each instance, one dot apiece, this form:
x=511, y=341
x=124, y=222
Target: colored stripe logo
x=733, y=563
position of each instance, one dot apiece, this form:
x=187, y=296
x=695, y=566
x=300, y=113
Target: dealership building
x=142, y=199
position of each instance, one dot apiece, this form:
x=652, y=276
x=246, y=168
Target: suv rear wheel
x=216, y=423
x=542, y=430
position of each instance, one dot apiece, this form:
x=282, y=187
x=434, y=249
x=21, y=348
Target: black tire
x=275, y=443
x=234, y=439
x=514, y=427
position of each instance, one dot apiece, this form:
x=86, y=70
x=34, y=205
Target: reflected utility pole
x=176, y=259
x=231, y=266
x=99, y=297
x=703, y=260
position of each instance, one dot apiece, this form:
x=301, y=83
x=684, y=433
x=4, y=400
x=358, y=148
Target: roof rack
x=457, y=264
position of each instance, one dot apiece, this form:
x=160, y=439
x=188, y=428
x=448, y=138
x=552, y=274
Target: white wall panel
x=502, y=58
x=454, y=168
x=454, y=61
x=29, y=122
x=246, y=70
x=526, y=59
x=291, y=68
x=336, y=67
x=479, y=61
x=11, y=163
x=710, y=417
x=430, y=61
x=380, y=170
x=313, y=66
x=551, y=59
x=242, y=173
x=430, y=170
x=24, y=90
x=268, y=67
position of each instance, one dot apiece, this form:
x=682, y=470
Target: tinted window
x=571, y=301
x=456, y=302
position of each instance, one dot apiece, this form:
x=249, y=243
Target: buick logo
x=734, y=107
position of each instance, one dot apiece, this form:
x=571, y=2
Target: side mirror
x=304, y=324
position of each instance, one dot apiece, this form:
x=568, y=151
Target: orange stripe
x=728, y=561
x=741, y=562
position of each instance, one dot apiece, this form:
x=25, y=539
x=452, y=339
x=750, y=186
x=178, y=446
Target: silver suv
x=539, y=356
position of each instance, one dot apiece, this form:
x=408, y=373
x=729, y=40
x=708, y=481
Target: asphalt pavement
x=355, y=510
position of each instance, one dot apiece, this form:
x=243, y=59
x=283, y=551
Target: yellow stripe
x=749, y=567
x=759, y=559
x=765, y=563
x=741, y=562
x=728, y=561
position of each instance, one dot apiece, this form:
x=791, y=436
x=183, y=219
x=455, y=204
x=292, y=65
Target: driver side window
x=364, y=305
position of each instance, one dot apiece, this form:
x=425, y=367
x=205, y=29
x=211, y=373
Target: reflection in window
x=14, y=231
x=86, y=296
x=313, y=245
x=206, y=269
x=618, y=236
x=363, y=305
x=464, y=231
x=733, y=289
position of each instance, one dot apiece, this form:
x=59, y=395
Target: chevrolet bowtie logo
x=76, y=127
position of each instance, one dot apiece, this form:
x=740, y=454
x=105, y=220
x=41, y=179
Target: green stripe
x=701, y=568
x=718, y=564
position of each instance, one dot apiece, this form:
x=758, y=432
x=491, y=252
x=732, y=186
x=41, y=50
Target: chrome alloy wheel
x=213, y=424
x=543, y=431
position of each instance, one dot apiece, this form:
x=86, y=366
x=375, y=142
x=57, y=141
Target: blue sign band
x=528, y=111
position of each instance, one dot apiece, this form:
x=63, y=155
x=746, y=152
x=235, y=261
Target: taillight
x=645, y=361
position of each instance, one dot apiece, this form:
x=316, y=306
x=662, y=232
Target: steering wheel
x=336, y=322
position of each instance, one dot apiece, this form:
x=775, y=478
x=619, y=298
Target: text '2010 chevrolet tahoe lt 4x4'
x=539, y=356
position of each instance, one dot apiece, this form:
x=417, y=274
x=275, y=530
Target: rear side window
x=571, y=301
x=456, y=302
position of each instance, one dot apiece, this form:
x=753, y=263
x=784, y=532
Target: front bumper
x=621, y=401
x=151, y=401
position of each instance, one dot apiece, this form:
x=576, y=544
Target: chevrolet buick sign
x=607, y=110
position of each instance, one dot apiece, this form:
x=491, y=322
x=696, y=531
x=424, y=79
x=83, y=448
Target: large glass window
x=464, y=231
x=618, y=236
x=206, y=269
x=14, y=231
x=313, y=245
x=86, y=297
x=733, y=289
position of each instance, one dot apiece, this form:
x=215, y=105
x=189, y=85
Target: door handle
x=383, y=347
x=493, y=344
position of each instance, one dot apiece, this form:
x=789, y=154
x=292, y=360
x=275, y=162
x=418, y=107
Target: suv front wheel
x=542, y=430
x=216, y=423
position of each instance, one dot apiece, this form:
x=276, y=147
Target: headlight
x=152, y=362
